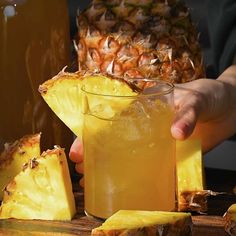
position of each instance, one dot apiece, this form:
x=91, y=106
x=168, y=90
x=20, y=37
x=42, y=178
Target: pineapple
x=230, y=220
x=42, y=190
x=15, y=155
x=145, y=223
x=63, y=94
x=190, y=177
x=139, y=39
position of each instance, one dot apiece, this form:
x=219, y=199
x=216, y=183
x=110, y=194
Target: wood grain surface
x=211, y=224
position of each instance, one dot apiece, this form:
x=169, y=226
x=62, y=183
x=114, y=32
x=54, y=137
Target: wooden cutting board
x=82, y=225
x=211, y=224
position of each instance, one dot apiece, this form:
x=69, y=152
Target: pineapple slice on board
x=145, y=223
x=15, y=155
x=42, y=190
x=63, y=94
x=230, y=220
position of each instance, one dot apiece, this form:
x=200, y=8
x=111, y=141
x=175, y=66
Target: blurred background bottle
x=34, y=46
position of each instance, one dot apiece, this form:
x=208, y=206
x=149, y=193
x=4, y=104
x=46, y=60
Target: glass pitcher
x=35, y=46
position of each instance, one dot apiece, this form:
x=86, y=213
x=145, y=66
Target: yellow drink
x=129, y=160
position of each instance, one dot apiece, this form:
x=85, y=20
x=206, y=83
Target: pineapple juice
x=129, y=160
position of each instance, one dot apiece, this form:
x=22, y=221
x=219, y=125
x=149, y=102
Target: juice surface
x=129, y=160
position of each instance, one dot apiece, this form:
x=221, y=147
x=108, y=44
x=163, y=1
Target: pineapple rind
x=42, y=190
x=15, y=155
x=230, y=220
x=130, y=222
x=189, y=171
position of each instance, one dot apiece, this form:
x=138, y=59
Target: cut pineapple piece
x=42, y=190
x=130, y=222
x=15, y=155
x=230, y=220
x=63, y=94
x=190, y=176
x=103, y=96
x=108, y=85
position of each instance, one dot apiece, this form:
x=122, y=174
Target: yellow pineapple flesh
x=147, y=39
x=190, y=176
x=15, y=155
x=145, y=223
x=230, y=220
x=42, y=190
x=63, y=94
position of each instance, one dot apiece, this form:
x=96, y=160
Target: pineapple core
x=15, y=155
x=42, y=190
x=131, y=222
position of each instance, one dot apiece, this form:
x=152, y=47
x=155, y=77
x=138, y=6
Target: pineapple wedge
x=190, y=176
x=42, y=190
x=145, y=223
x=15, y=155
x=63, y=94
x=230, y=220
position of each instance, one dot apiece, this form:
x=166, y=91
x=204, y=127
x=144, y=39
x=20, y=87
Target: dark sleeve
x=222, y=31
x=73, y=6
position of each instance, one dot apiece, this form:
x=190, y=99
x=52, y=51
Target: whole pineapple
x=139, y=38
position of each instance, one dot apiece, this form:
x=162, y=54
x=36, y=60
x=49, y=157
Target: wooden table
x=211, y=224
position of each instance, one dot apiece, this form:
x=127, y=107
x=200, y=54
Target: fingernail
x=177, y=133
x=180, y=130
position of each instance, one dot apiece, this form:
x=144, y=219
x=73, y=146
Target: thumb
x=76, y=151
x=184, y=122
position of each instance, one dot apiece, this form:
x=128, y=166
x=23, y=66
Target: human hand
x=206, y=109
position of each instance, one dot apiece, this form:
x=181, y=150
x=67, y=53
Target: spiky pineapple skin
x=15, y=155
x=131, y=39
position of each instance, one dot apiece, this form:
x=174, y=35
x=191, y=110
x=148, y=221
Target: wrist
x=228, y=78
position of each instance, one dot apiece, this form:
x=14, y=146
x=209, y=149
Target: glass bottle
x=35, y=46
